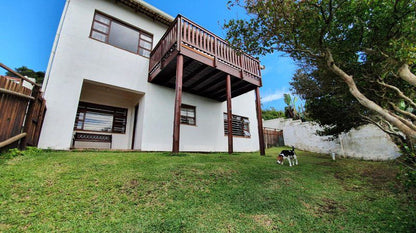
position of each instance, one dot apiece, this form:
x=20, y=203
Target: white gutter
x=155, y=10
x=55, y=45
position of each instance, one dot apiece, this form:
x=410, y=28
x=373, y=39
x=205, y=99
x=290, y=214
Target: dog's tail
x=293, y=148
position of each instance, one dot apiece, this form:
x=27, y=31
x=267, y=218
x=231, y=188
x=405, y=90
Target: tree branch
x=390, y=132
x=372, y=51
x=407, y=75
x=405, y=121
x=363, y=100
x=399, y=92
x=408, y=114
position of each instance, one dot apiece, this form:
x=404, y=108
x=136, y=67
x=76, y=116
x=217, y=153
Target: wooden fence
x=273, y=137
x=21, y=111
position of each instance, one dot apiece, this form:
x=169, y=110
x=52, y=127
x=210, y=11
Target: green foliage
x=328, y=102
x=369, y=40
x=407, y=177
x=30, y=151
x=290, y=109
x=11, y=153
x=287, y=99
x=23, y=70
x=154, y=192
x=272, y=113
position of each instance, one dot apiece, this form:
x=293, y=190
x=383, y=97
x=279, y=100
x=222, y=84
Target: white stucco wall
x=367, y=142
x=78, y=58
x=303, y=135
x=207, y=135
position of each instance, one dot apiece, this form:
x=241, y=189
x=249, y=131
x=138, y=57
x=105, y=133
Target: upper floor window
x=240, y=126
x=118, y=34
x=188, y=115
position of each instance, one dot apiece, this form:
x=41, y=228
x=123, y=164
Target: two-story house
x=125, y=75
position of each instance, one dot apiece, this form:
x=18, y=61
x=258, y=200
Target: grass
x=243, y=192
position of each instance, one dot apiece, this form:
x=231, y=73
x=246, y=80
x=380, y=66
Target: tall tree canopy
x=23, y=70
x=362, y=51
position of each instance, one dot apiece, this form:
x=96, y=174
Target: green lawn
x=243, y=192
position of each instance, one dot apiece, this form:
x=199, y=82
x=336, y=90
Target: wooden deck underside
x=202, y=79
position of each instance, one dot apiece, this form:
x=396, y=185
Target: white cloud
x=277, y=95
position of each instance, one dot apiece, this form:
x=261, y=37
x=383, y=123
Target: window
x=188, y=114
x=120, y=35
x=240, y=126
x=100, y=118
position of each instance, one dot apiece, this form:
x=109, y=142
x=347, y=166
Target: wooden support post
x=29, y=119
x=229, y=116
x=260, y=122
x=178, y=102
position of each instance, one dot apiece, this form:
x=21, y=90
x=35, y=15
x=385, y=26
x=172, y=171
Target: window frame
x=188, y=117
x=245, y=122
x=107, y=35
x=84, y=107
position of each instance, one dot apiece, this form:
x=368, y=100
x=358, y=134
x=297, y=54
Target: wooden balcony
x=207, y=60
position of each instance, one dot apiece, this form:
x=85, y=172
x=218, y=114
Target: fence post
x=29, y=117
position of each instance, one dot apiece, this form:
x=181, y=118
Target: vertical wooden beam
x=229, y=116
x=28, y=126
x=260, y=122
x=179, y=33
x=178, y=102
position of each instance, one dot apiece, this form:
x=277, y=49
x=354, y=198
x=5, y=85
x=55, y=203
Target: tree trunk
x=348, y=79
x=407, y=75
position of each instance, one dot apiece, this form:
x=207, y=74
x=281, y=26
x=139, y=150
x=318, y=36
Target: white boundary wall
x=367, y=142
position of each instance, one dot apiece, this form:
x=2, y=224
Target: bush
x=30, y=151
x=407, y=177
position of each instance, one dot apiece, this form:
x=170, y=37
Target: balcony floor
x=202, y=79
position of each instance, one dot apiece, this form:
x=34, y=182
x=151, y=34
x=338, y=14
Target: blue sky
x=29, y=28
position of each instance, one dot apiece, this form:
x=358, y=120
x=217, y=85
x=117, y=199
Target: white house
x=125, y=75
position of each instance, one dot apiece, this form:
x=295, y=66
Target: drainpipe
x=55, y=45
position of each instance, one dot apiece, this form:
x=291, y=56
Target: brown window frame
x=238, y=126
x=107, y=35
x=185, y=119
x=119, y=123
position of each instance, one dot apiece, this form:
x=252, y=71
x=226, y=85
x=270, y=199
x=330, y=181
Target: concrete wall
x=367, y=142
x=78, y=58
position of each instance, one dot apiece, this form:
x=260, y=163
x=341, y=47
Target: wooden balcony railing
x=188, y=37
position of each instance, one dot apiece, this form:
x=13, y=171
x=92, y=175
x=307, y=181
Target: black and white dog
x=289, y=155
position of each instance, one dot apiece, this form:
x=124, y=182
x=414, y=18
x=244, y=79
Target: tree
x=327, y=101
x=271, y=113
x=290, y=109
x=367, y=47
x=23, y=70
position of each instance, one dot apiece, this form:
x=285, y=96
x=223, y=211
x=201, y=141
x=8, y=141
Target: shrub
x=11, y=153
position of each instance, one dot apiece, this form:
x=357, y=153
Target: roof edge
x=149, y=10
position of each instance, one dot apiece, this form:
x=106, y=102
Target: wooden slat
x=16, y=118
x=5, y=91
